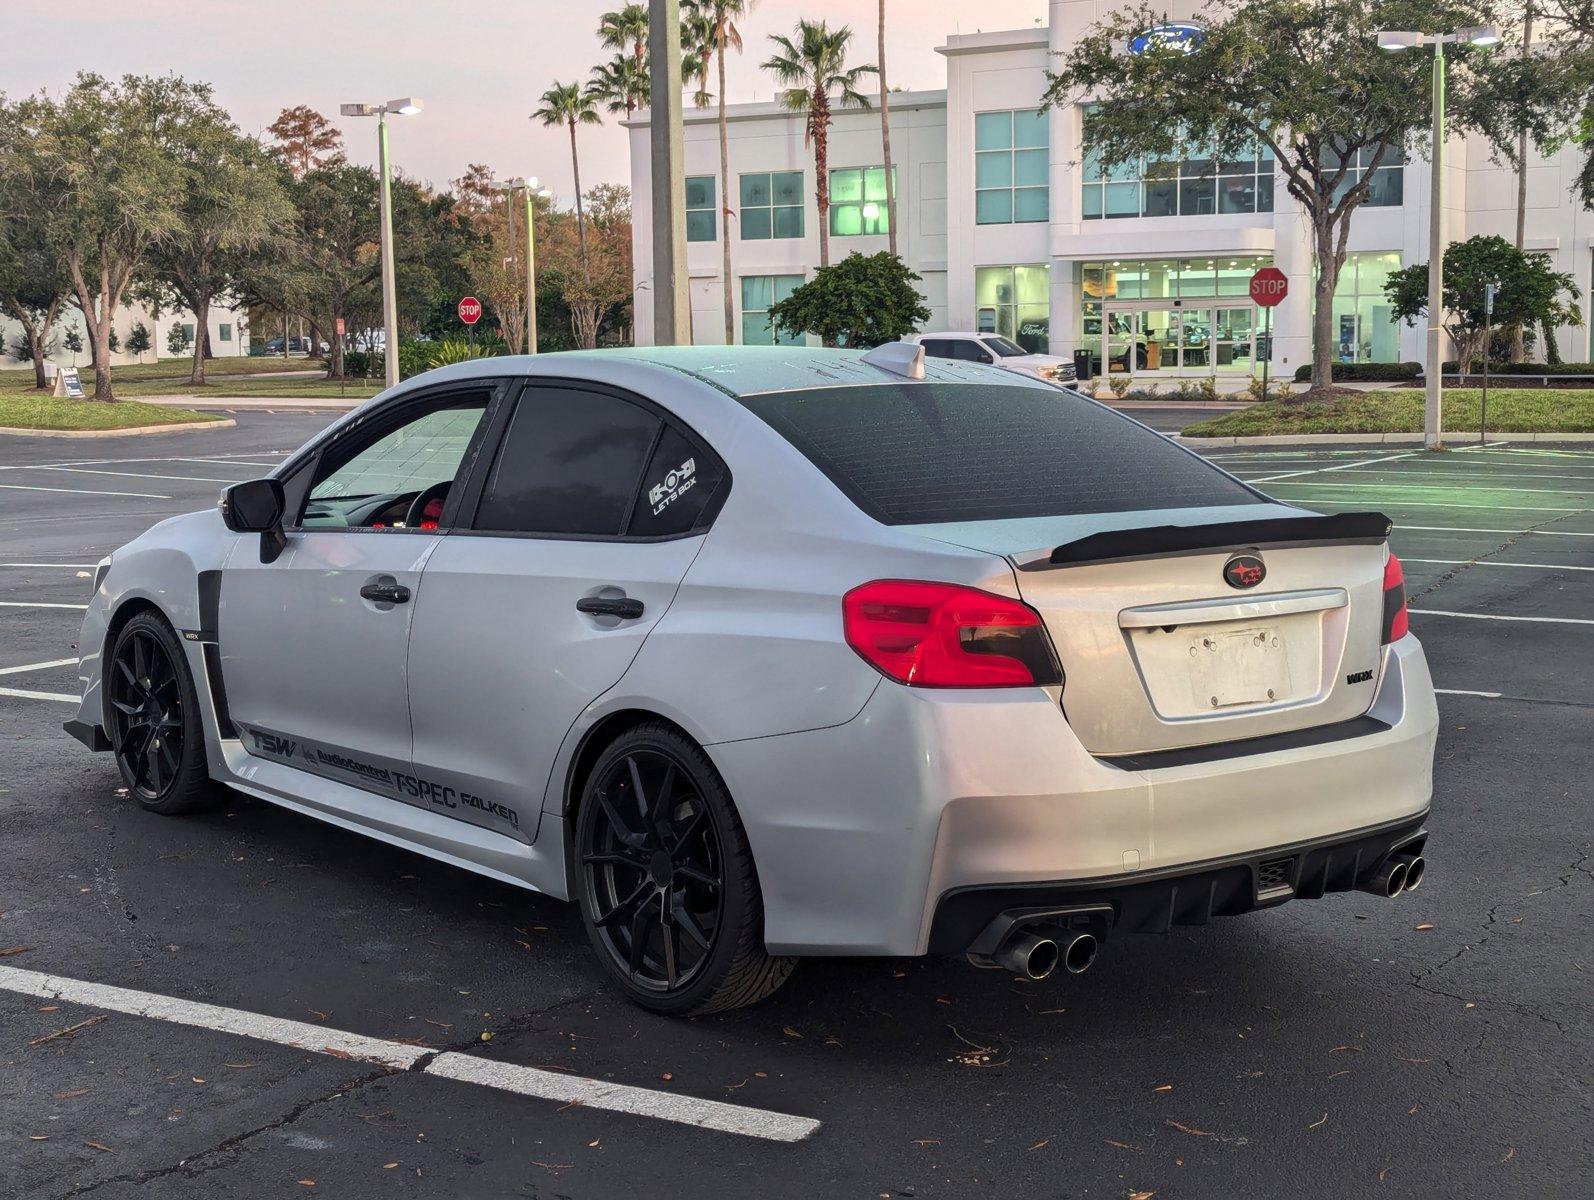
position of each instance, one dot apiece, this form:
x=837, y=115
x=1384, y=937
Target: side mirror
x=256, y=507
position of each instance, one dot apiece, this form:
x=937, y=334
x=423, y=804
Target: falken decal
x=676, y=484
x=372, y=777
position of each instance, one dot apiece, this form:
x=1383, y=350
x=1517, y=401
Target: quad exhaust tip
x=1416, y=868
x=1035, y=954
x=1397, y=874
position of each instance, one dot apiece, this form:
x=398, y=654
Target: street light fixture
x=1396, y=41
x=534, y=193
x=404, y=106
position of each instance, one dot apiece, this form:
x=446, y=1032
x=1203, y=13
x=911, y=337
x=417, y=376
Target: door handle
x=385, y=593
x=610, y=606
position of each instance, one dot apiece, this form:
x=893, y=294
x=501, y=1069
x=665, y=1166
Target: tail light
x=1396, y=623
x=945, y=635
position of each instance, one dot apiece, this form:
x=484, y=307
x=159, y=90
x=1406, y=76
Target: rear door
x=593, y=509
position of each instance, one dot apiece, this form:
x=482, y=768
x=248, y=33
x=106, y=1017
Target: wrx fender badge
x=1359, y=677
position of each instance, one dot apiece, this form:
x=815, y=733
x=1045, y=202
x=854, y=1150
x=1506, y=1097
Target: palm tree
x=626, y=30
x=721, y=17
x=697, y=48
x=567, y=104
x=619, y=85
x=885, y=137
x=813, y=71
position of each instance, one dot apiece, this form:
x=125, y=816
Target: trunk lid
x=1161, y=652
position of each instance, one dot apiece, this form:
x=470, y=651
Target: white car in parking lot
x=992, y=349
x=757, y=653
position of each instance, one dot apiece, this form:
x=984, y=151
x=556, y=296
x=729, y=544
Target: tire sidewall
x=737, y=906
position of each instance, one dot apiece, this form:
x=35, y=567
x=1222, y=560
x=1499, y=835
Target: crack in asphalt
x=1455, y=573
x=223, y=1153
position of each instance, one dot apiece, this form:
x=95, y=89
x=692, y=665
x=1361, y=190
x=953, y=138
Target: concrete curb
x=255, y=403
x=135, y=431
x=1374, y=439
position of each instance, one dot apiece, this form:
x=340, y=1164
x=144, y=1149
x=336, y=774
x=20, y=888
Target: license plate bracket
x=1230, y=667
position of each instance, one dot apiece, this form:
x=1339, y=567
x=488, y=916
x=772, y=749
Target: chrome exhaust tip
x=1416, y=868
x=1029, y=955
x=1079, y=952
x=1388, y=880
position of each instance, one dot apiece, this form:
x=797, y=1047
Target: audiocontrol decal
x=676, y=484
x=435, y=794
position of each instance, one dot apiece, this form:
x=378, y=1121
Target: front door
x=314, y=643
x=593, y=510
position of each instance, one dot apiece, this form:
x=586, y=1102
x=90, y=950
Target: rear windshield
x=910, y=454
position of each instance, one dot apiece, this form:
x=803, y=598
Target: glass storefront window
x=1365, y=329
x=1010, y=167
x=1387, y=183
x=1014, y=302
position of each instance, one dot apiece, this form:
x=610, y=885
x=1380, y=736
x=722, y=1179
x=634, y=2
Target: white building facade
x=229, y=336
x=1016, y=230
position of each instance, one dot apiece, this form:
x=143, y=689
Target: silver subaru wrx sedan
x=758, y=653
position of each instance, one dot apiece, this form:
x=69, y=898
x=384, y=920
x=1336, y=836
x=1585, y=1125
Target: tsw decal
x=676, y=484
x=270, y=743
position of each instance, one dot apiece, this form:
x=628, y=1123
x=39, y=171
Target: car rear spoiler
x=1162, y=541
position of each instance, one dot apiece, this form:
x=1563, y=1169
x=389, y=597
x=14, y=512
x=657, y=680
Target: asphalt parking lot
x=1439, y=1044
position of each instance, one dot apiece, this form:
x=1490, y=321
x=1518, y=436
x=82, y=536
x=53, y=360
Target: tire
x=666, y=883
x=152, y=719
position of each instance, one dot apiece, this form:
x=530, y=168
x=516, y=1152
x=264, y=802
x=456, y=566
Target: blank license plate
x=1238, y=666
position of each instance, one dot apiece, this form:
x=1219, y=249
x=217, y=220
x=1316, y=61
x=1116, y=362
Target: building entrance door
x=1158, y=340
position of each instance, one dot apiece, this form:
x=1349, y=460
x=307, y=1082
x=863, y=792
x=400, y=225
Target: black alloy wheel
x=668, y=891
x=152, y=716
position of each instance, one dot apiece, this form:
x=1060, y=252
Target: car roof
x=736, y=371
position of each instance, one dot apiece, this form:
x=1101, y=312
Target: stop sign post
x=470, y=311
x=1268, y=287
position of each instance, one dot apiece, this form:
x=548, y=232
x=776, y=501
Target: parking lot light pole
x=406, y=106
x=534, y=193
x=1395, y=41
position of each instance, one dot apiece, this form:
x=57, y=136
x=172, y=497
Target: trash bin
x=1082, y=368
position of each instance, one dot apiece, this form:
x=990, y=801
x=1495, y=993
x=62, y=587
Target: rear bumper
x=976, y=920
x=864, y=832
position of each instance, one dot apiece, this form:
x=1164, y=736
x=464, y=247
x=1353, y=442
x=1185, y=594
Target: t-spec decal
x=389, y=781
x=676, y=484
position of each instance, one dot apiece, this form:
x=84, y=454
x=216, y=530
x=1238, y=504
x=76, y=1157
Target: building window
x=1010, y=167
x=1014, y=302
x=858, y=201
x=1365, y=329
x=759, y=294
x=772, y=205
x=224, y=332
x=700, y=208
x=1387, y=184
x=1193, y=181
x=188, y=334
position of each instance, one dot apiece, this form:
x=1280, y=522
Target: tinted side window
x=570, y=463
x=679, y=486
x=937, y=347
x=966, y=350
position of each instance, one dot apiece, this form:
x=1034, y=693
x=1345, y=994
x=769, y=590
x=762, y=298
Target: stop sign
x=470, y=310
x=1269, y=286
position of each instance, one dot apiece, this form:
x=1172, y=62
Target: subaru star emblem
x=1244, y=571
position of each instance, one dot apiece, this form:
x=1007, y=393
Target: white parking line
x=40, y=604
x=40, y=666
x=1439, y=612
x=1347, y=466
x=1423, y=487
x=1512, y=532
x=1489, y=562
x=134, y=474
x=465, y=1068
x=22, y=487
x=21, y=694
x=1464, y=692
x=70, y=566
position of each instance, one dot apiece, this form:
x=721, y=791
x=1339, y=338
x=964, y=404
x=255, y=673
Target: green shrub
x=1365, y=372
x=1500, y=368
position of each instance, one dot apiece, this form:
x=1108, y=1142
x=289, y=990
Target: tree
x=176, y=339
x=566, y=104
x=34, y=282
x=107, y=152
x=114, y=340
x=862, y=301
x=816, y=79
x=722, y=15
x=598, y=297
x=72, y=342
x=885, y=136
x=305, y=140
x=231, y=205
x=627, y=30
x=138, y=340
x=697, y=50
x=1529, y=292
x=1302, y=79
x=620, y=85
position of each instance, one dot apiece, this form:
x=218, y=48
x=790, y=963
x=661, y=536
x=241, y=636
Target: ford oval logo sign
x=1176, y=35
x=1244, y=571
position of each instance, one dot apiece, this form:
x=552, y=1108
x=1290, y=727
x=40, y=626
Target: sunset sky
x=479, y=68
